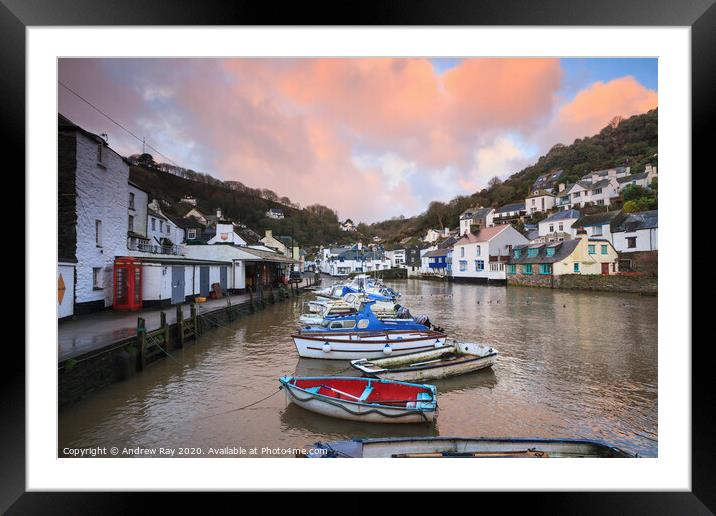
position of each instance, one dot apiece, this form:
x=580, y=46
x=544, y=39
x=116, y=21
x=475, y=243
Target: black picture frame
x=700, y=15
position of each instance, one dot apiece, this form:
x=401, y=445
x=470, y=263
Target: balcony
x=145, y=246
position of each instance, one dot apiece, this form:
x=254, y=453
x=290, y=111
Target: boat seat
x=313, y=390
x=424, y=401
x=366, y=393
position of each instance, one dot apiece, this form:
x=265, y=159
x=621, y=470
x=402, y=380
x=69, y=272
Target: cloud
x=369, y=137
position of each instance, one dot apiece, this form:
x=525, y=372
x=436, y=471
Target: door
x=178, y=283
x=223, y=278
x=204, y=281
x=605, y=268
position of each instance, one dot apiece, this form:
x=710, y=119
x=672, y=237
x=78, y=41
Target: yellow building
x=539, y=263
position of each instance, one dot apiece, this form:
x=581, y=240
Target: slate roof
x=632, y=177
x=448, y=242
x=249, y=235
x=475, y=213
x=359, y=254
x=517, y=206
x=636, y=221
x=437, y=252
x=562, y=215
x=562, y=250
x=155, y=214
x=188, y=223
x=599, y=219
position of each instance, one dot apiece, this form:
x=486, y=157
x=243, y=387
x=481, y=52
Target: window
x=518, y=253
x=462, y=252
x=604, y=249
x=479, y=265
x=545, y=268
x=597, y=231
x=192, y=234
x=591, y=249
x=576, y=194
x=600, y=202
x=549, y=251
x=463, y=265
x=161, y=226
x=97, y=278
x=551, y=228
x=533, y=202
x=561, y=226
x=98, y=233
x=511, y=268
x=576, y=267
x=533, y=252
x=131, y=200
x=168, y=228
x=596, y=191
x=527, y=269
x=154, y=224
x=477, y=250
x=130, y=224
x=631, y=242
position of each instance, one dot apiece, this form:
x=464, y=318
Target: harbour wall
x=83, y=375
x=637, y=283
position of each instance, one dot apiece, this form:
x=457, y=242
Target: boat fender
x=326, y=348
x=387, y=350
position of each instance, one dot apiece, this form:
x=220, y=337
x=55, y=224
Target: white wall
x=140, y=209
x=646, y=240
x=102, y=194
x=496, y=246
x=543, y=227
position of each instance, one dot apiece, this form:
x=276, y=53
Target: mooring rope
x=245, y=406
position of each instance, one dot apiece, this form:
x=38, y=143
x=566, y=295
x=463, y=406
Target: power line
x=115, y=122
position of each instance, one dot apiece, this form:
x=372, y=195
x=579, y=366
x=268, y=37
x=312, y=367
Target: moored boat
x=363, y=399
x=482, y=447
x=441, y=362
x=354, y=345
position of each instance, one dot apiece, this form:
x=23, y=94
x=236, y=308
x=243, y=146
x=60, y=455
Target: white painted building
x=275, y=213
x=539, y=201
x=396, y=257
x=482, y=256
x=93, y=204
x=224, y=233
x=558, y=226
x=598, y=225
x=637, y=232
x=476, y=218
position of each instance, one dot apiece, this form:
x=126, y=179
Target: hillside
x=310, y=226
x=632, y=142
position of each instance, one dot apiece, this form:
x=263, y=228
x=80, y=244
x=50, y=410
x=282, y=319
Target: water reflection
x=571, y=364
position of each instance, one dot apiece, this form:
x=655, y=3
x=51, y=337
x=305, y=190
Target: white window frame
x=97, y=283
x=98, y=232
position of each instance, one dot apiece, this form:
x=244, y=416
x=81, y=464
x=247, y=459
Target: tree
x=494, y=182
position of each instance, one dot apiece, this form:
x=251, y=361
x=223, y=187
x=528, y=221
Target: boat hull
x=415, y=447
x=473, y=358
x=352, y=346
x=355, y=411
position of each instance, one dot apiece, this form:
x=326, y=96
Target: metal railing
x=144, y=246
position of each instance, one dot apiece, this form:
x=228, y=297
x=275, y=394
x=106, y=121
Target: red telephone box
x=127, y=283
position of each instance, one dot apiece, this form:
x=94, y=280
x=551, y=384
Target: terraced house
x=480, y=257
x=539, y=264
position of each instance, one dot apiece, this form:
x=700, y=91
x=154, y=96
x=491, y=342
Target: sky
x=372, y=138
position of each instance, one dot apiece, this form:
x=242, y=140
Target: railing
x=147, y=247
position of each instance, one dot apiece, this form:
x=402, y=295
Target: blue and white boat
x=365, y=335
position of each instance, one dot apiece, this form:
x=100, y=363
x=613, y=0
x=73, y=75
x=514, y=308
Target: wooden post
x=141, y=344
x=180, y=328
x=273, y=296
x=195, y=321
x=165, y=329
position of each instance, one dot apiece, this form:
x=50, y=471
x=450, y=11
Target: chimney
x=218, y=213
x=446, y=231
x=360, y=245
x=269, y=233
x=595, y=178
x=562, y=186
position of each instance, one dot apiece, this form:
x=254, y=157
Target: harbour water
x=572, y=364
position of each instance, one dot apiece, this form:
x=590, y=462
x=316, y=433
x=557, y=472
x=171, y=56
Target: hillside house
x=481, y=257
x=598, y=225
x=636, y=232
x=538, y=264
x=558, y=226
x=547, y=181
x=539, y=201
x=348, y=225
x=275, y=213
x=476, y=218
x=509, y=213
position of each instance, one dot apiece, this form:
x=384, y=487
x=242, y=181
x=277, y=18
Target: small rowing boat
x=347, y=345
x=442, y=447
x=442, y=362
x=363, y=399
